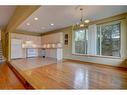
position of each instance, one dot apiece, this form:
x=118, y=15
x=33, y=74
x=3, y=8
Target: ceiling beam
x=21, y=13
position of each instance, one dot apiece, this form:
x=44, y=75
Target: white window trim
x=73, y=43
x=101, y=39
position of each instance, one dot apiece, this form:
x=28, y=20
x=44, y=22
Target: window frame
x=73, y=42
x=110, y=23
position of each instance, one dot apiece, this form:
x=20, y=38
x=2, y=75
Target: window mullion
x=100, y=41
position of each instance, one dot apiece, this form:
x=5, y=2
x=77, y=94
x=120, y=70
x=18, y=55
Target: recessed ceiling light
x=51, y=24
x=35, y=18
x=27, y=24
x=87, y=21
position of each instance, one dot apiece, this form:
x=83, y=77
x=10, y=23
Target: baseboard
x=97, y=64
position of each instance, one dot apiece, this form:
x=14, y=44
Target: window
x=102, y=40
x=108, y=39
x=80, y=41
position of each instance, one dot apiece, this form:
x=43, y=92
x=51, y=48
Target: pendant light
x=83, y=23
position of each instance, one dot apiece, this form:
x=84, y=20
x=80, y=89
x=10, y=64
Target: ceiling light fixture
x=87, y=21
x=27, y=24
x=83, y=23
x=81, y=19
x=51, y=24
x=35, y=18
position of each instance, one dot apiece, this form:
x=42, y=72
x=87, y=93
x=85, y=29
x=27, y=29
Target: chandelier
x=83, y=23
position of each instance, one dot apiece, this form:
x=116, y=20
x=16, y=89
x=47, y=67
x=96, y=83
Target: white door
x=16, y=48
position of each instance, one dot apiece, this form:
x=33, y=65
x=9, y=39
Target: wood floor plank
x=72, y=75
x=8, y=79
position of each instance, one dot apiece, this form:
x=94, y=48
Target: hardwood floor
x=8, y=79
x=71, y=75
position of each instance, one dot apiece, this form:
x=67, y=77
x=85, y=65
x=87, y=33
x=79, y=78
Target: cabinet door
x=32, y=52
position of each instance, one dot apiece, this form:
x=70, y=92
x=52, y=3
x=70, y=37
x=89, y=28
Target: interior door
x=16, y=48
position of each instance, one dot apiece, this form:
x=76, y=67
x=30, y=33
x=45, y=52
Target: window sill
x=88, y=55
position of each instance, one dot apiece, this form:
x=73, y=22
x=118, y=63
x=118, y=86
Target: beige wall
x=0, y=34
x=67, y=49
x=35, y=39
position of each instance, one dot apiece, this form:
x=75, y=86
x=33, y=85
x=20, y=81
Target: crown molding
x=24, y=32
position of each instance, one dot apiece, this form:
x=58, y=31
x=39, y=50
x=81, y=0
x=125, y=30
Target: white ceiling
x=63, y=16
x=5, y=14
